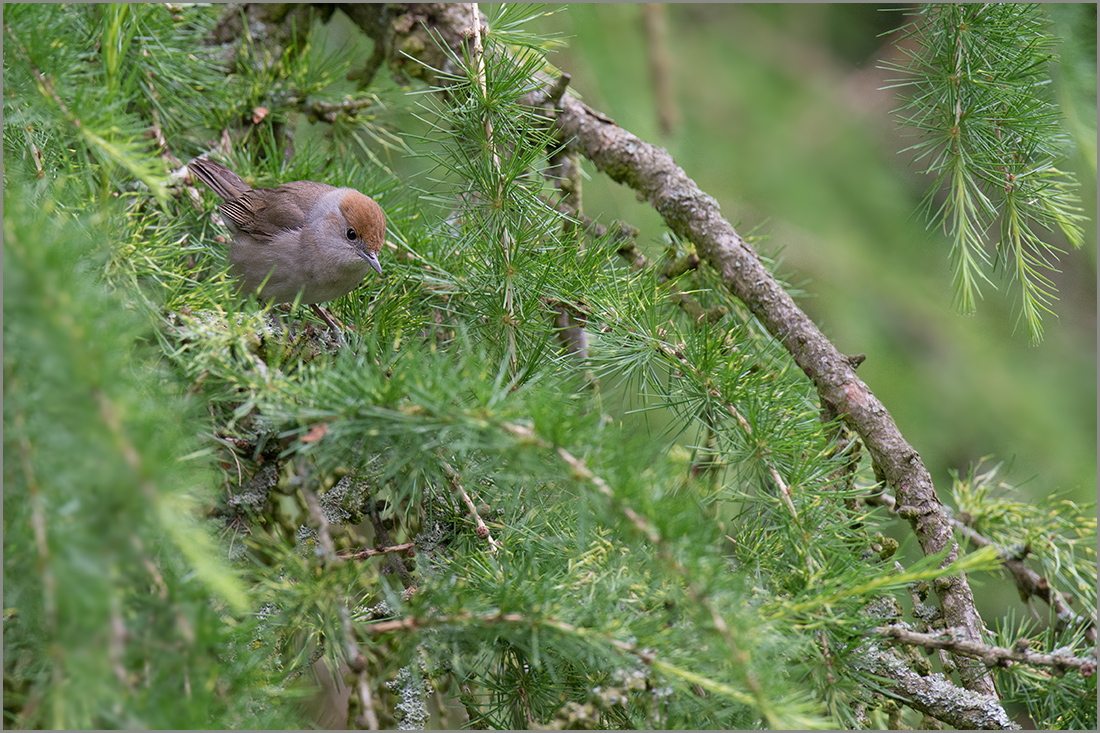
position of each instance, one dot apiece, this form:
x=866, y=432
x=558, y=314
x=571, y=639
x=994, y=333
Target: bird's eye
x=351, y=235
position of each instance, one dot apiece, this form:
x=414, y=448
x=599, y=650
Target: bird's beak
x=372, y=258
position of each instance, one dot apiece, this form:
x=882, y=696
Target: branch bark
x=933, y=695
x=988, y=653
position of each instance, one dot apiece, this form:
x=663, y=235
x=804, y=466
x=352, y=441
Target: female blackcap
x=303, y=237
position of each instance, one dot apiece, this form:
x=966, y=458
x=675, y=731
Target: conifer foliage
x=538, y=480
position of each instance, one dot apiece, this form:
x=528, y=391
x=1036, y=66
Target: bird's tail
x=220, y=179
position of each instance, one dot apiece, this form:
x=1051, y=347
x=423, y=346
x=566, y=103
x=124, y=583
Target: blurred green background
x=780, y=115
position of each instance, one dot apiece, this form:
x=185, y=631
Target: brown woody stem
x=694, y=215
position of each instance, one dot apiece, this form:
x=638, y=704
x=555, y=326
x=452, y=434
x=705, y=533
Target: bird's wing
x=254, y=213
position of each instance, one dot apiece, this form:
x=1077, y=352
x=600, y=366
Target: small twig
x=375, y=21
x=784, y=490
x=357, y=663
x=781, y=486
x=456, y=486
x=740, y=419
x=240, y=470
x=555, y=92
x=565, y=171
x=925, y=615
x=36, y=154
x=364, y=554
x=881, y=498
x=151, y=568
x=156, y=132
x=329, y=111
x=581, y=472
x=569, y=324
x=1028, y=582
x=413, y=623
x=383, y=537
x=330, y=320
x=992, y=656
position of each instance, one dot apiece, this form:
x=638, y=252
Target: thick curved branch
x=933, y=694
x=694, y=215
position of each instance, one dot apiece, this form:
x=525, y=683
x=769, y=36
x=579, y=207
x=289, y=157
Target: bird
x=303, y=240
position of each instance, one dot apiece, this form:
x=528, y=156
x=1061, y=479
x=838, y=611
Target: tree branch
x=933, y=694
x=327, y=111
x=990, y=655
x=383, y=538
x=692, y=214
x=1028, y=582
x=482, y=530
x=364, y=554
